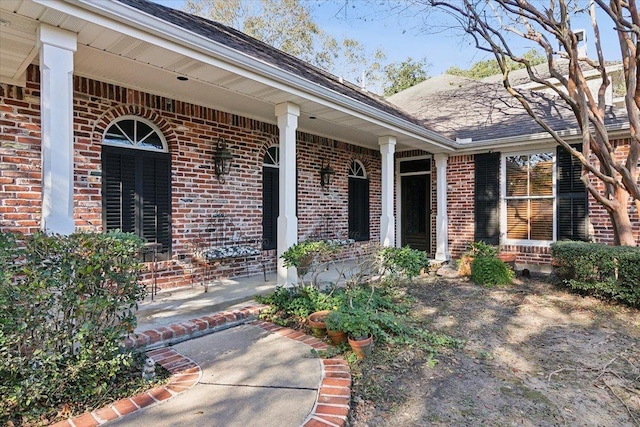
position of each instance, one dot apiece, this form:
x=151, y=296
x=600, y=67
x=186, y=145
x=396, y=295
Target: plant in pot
x=357, y=323
x=317, y=323
x=333, y=322
x=302, y=255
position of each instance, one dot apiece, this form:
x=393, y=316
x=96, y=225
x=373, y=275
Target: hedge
x=66, y=301
x=611, y=272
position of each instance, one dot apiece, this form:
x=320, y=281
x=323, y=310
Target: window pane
x=517, y=219
x=147, y=137
x=541, y=174
x=422, y=165
x=542, y=219
x=516, y=167
x=115, y=135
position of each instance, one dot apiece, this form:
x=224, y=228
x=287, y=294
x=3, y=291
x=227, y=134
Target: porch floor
x=177, y=305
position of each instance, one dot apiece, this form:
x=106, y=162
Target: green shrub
x=491, y=271
x=482, y=249
x=67, y=302
x=291, y=305
x=404, y=260
x=603, y=271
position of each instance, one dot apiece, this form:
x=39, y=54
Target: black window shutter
x=136, y=194
x=270, y=206
x=359, y=209
x=486, y=198
x=155, y=200
x=572, y=202
x=118, y=195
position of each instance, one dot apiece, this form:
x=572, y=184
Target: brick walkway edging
x=330, y=408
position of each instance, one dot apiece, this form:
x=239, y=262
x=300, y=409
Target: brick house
x=112, y=113
x=492, y=195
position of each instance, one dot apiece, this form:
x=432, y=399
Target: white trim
x=504, y=240
x=399, y=194
x=153, y=126
x=128, y=20
x=362, y=168
x=277, y=161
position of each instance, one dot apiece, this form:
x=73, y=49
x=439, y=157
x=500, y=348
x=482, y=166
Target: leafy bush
x=404, y=260
x=482, y=249
x=600, y=270
x=491, y=271
x=298, y=254
x=292, y=305
x=66, y=301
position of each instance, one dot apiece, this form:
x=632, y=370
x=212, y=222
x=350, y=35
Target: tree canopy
x=490, y=67
x=495, y=24
x=289, y=25
x=402, y=75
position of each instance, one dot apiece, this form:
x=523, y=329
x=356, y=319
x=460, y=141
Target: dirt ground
x=534, y=355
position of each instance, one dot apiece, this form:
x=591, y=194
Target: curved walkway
x=324, y=404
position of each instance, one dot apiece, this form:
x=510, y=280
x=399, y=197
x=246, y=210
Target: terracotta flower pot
x=362, y=348
x=317, y=325
x=508, y=258
x=337, y=337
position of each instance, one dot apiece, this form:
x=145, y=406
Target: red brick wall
x=461, y=216
x=191, y=132
x=460, y=171
x=20, y=172
x=598, y=216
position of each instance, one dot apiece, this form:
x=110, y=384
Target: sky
x=406, y=34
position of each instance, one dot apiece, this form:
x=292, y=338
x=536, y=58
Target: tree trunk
x=622, y=230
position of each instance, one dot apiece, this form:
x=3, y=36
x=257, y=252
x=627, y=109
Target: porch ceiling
x=115, y=53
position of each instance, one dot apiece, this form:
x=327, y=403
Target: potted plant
x=301, y=255
x=317, y=323
x=333, y=323
x=357, y=323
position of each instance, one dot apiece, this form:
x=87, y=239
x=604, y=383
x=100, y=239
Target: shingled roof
x=463, y=108
x=263, y=52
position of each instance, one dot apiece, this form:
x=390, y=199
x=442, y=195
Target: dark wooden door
x=416, y=213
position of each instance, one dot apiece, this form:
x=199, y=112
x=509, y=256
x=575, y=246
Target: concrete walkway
x=248, y=374
x=229, y=368
x=249, y=377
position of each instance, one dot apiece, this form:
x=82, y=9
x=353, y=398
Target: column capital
x=387, y=140
x=440, y=157
x=286, y=108
x=54, y=36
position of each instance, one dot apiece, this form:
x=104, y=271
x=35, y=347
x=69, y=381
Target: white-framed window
x=136, y=182
x=270, y=197
x=358, y=202
x=528, y=198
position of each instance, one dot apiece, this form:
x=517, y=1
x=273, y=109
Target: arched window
x=136, y=182
x=270, y=197
x=358, y=202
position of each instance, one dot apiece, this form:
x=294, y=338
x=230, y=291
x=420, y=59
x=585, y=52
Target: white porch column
x=56, y=114
x=387, y=219
x=287, y=115
x=442, y=219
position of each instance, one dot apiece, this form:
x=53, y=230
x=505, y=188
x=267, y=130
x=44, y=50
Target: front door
x=416, y=212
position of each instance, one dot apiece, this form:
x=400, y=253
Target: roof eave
x=519, y=141
x=142, y=21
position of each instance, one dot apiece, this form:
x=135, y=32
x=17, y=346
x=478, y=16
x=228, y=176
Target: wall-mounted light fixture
x=326, y=174
x=222, y=160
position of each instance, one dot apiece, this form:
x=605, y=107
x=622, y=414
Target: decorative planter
x=317, y=325
x=337, y=337
x=508, y=258
x=362, y=348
